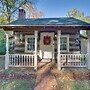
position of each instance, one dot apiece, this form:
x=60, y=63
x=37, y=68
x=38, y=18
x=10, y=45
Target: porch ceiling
x=44, y=28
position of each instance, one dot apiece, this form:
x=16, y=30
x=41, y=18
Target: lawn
x=72, y=79
x=73, y=85
x=2, y=63
x=17, y=84
x=67, y=79
x=16, y=79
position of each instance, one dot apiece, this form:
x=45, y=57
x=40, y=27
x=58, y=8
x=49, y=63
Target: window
x=29, y=43
x=64, y=43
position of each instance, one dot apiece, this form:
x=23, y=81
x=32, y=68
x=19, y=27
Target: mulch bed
x=15, y=76
x=81, y=75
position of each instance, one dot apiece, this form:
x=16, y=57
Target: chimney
x=22, y=14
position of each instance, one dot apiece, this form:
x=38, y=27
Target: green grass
x=73, y=85
x=17, y=85
x=2, y=64
x=72, y=79
x=80, y=85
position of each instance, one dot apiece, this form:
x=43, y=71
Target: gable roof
x=65, y=23
x=50, y=22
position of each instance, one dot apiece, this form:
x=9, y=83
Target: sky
x=59, y=8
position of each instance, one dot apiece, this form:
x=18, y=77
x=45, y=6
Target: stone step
x=46, y=60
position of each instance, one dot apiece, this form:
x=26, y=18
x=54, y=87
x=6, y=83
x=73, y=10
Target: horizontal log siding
x=20, y=47
x=74, y=45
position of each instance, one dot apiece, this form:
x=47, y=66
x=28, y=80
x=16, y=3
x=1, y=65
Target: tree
x=32, y=12
x=79, y=15
x=9, y=7
x=75, y=13
x=8, y=12
x=3, y=19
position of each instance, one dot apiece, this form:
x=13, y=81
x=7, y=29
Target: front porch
x=32, y=60
x=48, y=53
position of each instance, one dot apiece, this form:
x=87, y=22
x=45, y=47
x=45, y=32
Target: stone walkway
x=45, y=80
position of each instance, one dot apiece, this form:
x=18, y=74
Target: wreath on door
x=47, y=40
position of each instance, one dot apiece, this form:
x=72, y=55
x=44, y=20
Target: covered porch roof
x=67, y=23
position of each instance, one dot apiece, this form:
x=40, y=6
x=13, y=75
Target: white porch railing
x=73, y=60
x=21, y=60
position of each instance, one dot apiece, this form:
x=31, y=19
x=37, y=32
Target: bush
x=2, y=49
x=83, y=58
x=2, y=43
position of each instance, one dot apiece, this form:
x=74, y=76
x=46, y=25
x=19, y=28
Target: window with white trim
x=29, y=43
x=64, y=43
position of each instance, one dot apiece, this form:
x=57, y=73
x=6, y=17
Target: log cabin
x=29, y=41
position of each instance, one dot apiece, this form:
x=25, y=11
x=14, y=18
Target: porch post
x=7, y=52
x=58, y=50
x=53, y=51
x=88, y=49
x=35, y=62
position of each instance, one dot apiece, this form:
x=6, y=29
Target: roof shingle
x=49, y=21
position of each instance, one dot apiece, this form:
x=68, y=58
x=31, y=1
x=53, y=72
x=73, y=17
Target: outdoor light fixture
x=55, y=35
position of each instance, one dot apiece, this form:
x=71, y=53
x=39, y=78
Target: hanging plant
x=47, y=40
